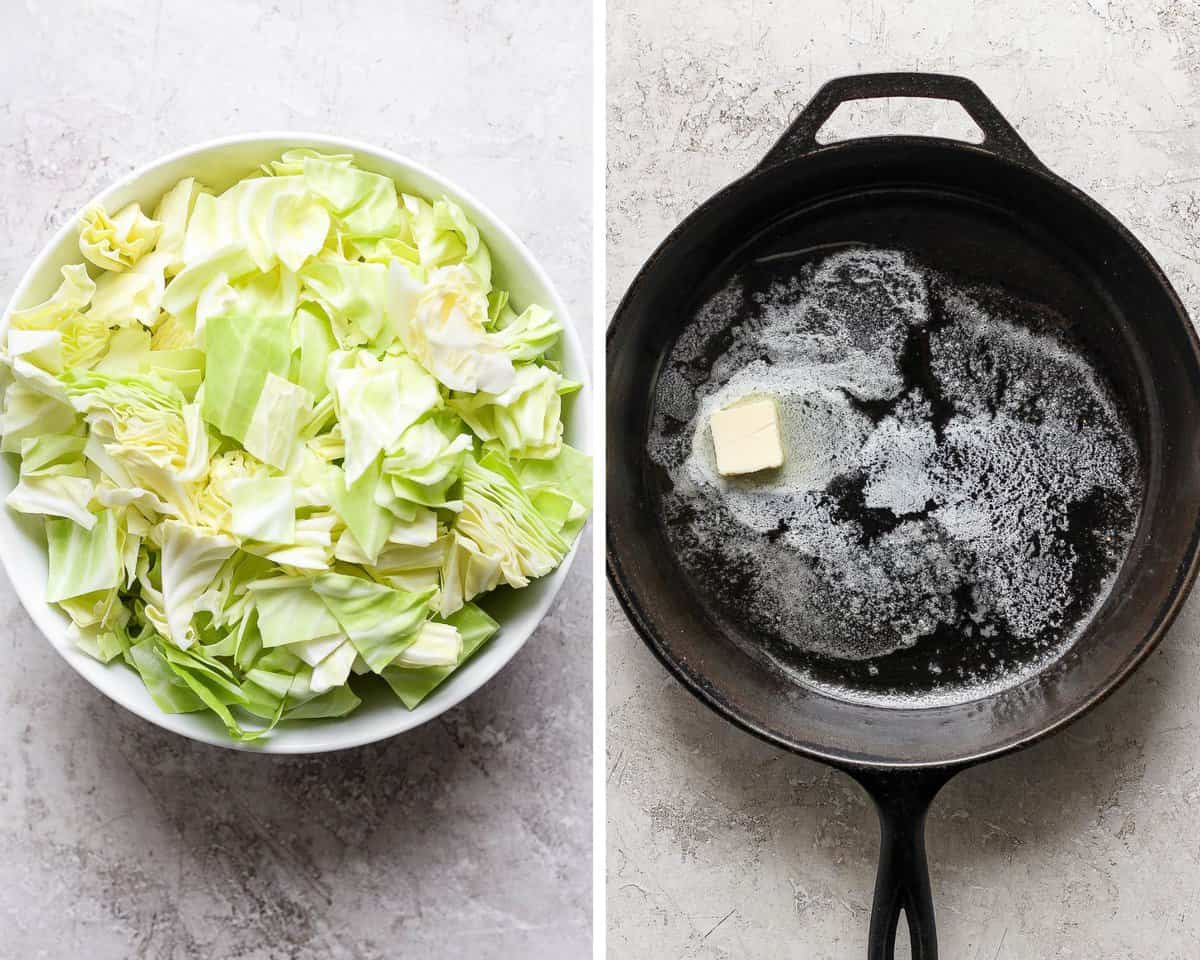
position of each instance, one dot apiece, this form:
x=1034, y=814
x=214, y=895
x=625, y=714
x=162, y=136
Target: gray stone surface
x=1084, y=846
x=470, y=837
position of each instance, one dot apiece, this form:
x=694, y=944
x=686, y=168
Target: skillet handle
x=999, y=137
x=902, y=799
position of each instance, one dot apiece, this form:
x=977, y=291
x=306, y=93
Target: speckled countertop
x=469, y=837
x=1085, y=846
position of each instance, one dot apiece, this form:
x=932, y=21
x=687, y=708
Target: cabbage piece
x=384, y=249
x=226, y=264
x=412, y=685
x=297, y=228
x=264, y=509
x=526, y=418
x=138, y=421
x=292, y=161
x=130, y=352
x=421, y=530
x=273, y=294
x=43, y=348
x=135, y=296
x=97, y=610
x=290, y=612
x=73, y=341
x=172, y=213
x=314, y=478
x=365, y=204
x=380, y=621
x=217, y=680
x=131, y=409
x=73, y=294
x=427, y=460
x=210, y=229
x=273, y=434
x=146, y=504
x=214, y=500
x=500, y=311
x=126, y=353
x=312, y=344
x=103, y=642
x=323, y=432
x=83, y=336
x=436, y=645
x=169, y=693
x=334, y=670
x=317, y=650
x=38, y=379
x=217, y=688
x=498, y=536
x=442, y=324
x=191, y=558
x=84, y=560
x=117, y=242
x=245, y=299
x=254, y=207
x=338, y=702
x=28, y=413
x=398, y=558
x=242, y=353
x=279, y=675
x=467, y=571
x=445, y=236
x=311, y=547
x=527, y=337
x=353, y=296
x=54, y=480
x=58, y=454
x=54, y=497
x=171, y=334
x=228, y=601
x=358, y=506
x=184, y=368
x=569, y=475
x=275, y=219
x=84, y=341
x=277, y=682
x=376, y=401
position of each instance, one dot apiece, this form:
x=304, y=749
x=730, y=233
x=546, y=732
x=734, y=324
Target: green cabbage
x=443, y=324
x=117, y=242
x=282, y=436
x=526, y=418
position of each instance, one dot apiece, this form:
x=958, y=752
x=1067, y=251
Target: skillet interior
x=964, y=212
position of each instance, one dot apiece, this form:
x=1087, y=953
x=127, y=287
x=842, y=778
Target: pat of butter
x=746, y=437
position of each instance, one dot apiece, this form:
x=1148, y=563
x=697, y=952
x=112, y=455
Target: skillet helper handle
x=999, y=137
x=902, y=799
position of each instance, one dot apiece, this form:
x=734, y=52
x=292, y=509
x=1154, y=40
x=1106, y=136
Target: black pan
x=989, y=211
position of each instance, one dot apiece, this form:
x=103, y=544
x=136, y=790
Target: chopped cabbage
x=282, y=437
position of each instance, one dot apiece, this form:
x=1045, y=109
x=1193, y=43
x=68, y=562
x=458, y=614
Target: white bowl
x=219, y=164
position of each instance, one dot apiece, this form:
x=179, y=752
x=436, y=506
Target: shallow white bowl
x=219, y=164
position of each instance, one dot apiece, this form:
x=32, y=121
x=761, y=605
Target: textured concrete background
x=1085, y=846
x=470, y=837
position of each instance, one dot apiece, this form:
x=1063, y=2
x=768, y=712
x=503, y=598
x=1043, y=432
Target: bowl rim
x=323, y=739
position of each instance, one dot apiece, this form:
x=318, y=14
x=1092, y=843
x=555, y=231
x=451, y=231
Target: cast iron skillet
x=990, y=211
